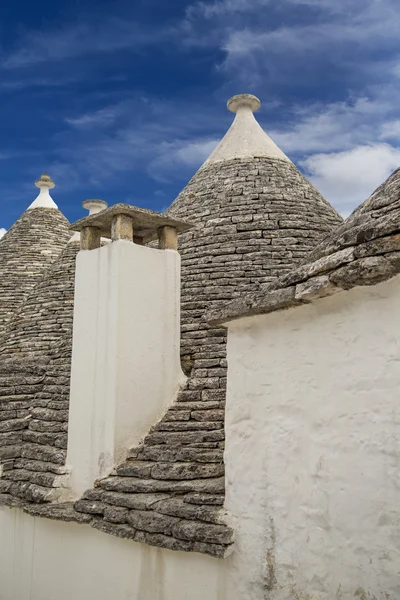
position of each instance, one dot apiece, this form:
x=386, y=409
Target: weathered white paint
x=313, y=449
x=94, y=207
x=125, y=358
x=44, y=200
x=51, y=560
x=245, y=138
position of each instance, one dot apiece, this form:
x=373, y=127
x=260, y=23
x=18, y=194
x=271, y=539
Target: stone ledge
x=145, y=222
x=367, y=264
x=156, y=529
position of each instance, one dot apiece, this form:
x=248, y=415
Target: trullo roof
x=256, y=217
x=28, y=248
x=364, y=250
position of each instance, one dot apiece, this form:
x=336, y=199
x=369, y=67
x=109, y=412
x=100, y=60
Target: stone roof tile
x=364, y=250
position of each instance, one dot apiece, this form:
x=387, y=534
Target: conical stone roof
x=363, y=251
x=28, y=248
x=257, y=216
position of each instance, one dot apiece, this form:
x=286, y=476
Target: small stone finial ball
x=45, y=182
x=243, y=101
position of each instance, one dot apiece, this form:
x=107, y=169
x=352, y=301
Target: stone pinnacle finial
x=44, y=200
x=243, y=101
x=94, y=206
x=45, y=182
x=245, y=138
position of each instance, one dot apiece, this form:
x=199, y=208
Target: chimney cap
x=243, y=101
x=146, y=223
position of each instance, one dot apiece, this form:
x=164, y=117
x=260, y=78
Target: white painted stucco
x=43, y=200
x=51, y=560
x=125, y=358
x=245, y=138
x=313, y=449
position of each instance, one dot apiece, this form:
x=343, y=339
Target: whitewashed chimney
x=126, y=339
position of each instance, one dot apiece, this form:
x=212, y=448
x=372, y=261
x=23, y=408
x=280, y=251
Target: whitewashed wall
x=313, y=449
x=50, y=560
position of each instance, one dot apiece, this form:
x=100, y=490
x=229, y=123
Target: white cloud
x=337, y=126
x=102, y=117
x=348, y=178
x=2, y=231
x=180, y=157
x=391, y=130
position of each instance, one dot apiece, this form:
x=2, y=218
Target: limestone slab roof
x=28, y=248
x=364, y=250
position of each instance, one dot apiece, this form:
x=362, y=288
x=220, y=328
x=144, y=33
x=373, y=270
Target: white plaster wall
x=125, y=360
x=313, y=449
x=51, y=560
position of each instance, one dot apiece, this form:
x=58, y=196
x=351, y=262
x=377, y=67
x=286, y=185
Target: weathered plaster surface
x=48, y=560
x=125, y=359
x=313, y=448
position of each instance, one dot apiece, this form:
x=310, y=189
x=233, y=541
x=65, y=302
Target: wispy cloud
x=80, y=39
x=327, y=72
x=166, y=140
x=335, y=126
x=2, y=231
x=100, y=118
x=348, y=178
x=340, y=146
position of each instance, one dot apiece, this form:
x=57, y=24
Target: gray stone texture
x=35, y=358
x=364, y=250
x=254, y=219
x=28, y=248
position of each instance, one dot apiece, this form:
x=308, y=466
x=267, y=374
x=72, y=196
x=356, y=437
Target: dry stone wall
x=26, y=251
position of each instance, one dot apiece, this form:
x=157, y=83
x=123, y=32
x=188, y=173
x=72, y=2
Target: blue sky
x=124, y=100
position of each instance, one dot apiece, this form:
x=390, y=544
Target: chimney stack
x=126, y=338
